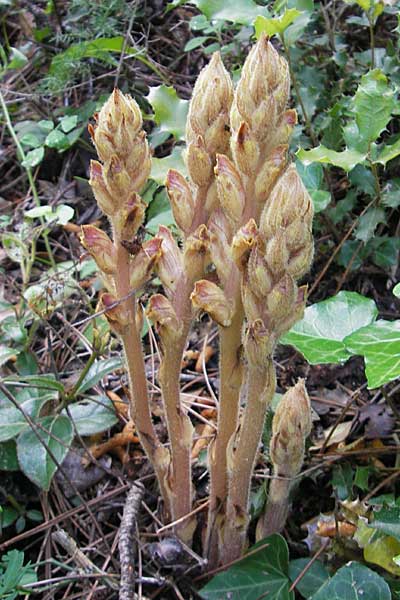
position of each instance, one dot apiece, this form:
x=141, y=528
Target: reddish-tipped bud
x=116, y=313
x=243, y=242
x=181, y=199
x=101, y=248
x=209, y=297
x=103, y=197
x=259, y=344
x=170, y=263
x=161, y=312
x=230, y=189
x=245, y=149
x=144, y=263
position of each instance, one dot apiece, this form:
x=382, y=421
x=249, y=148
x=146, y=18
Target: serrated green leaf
x=347, y=159
x=33, y=158
x=262, y=573
x=368, y=223
x=379, y=343
x=161, y=166
x=35, y=462
x=243, y=12
x=275, y=25
x=93, y=415
x=389, y=152
x=170, y=111
x=354, y=582
x=374, y=102
x=320, y=335
x=315, y=576
x=97, y=371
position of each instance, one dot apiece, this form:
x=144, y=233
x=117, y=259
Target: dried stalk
x=127, y=541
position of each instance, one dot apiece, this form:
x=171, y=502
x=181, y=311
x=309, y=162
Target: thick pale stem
x=274, y=517
x=139, y=401
x=260, y=391
x=229, y=395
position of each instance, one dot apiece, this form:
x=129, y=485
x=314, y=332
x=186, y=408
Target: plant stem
x=230, y=370
x=260, y=390
x=139, y=401
x=274, y=517
x=371, y=39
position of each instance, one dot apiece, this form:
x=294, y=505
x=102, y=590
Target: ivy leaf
x=315, y=576
x=34, y=460
x=368, y=223
x=347, y=159
x=373, y=97
x=93, y=415
x=387, y=520
x=275, y=25
x=243, y=12
x=170, y=111
x=320, y=335
x=264, y=573
x=379, y=343
x=354, y=582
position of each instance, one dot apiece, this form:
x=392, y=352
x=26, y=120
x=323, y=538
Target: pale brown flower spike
x=246, y=221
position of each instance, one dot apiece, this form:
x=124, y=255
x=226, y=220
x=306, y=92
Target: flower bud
x=270, y=172
x=209, y=108
x=100, y=247
x=129, y=217
x=230, y=189
x=209, y=297
x=259, y=277
x=116, y=313
x=196, y=252
x=281, y=298
x=290, y=427
x=198, y=162
x=161, y=312
x=170, y=263
x=144, y=262
x=103, y=197
x=277, y=254
x=243, y=242
x=220, y=252
x=181, y=199
x=245, y=150
x=300, y=262
x=259, y=344
x=295, y=314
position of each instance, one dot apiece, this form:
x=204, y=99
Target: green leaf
x=320, y=335
x=195, y=42
x=57, y=139
x=31, y=140
x=17, y=59
x=275, y=25
x=161, y=166
x=354, y=582
x=42, y=382
x=315, y=576
x=387, y=520
x=396, y=290
x=389, y=152
x=170, y=111
x=312, y=176
x=262, y=573
x=12, y=420
x=373, y=97
x=342, y=481
x=33, y=158
x=379, y=343
x=33, y=457
x=97, y=371
x=347, y=159
x=361, y=478
x=243, y=12
x=6, y=353
x=8, y=456
x=68, y=123
x=368, y=223
x=93, y=415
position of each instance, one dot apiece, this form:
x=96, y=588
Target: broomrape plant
x=246, y=222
